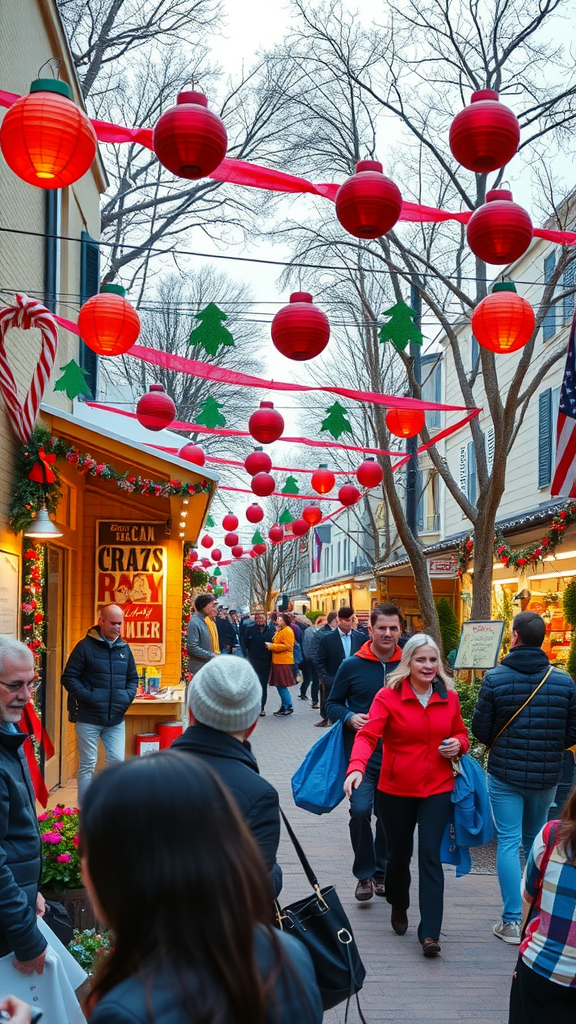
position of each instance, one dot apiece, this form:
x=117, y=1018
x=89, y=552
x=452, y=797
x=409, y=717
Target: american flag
x=316, y=551
x=564, y=482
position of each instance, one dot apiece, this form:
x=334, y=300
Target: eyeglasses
x=16, y=687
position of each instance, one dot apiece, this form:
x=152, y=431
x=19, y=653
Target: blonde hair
x=394, y=680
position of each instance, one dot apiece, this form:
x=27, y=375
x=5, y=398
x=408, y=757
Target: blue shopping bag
x=318, y=783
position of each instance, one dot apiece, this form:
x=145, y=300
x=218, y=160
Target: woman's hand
x=352, y=782
x=450, y=748
x=17, y=1011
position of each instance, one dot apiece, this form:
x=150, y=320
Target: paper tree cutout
x=291, y=486
x=210, y=334
x=400, y=328
x=286, y=518
x=336, y=422
x=73, y=380
x=257, y=538
x=210, y=415
x=210, y=524
x=217, y=572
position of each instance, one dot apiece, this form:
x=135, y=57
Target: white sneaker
x=508, y=931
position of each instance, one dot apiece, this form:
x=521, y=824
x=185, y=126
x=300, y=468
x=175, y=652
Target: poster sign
x=446, y=567
x=131, y=565
x=480, y=644
x=9, y=594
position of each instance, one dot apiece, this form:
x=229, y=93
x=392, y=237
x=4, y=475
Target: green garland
x=531, y=555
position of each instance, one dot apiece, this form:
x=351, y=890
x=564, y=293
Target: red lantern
x=500, y=231
x=405, y=422
x=207, y=541
x=193, y=556
x=237, y=551
x=368, y=204
x=193, y=453
x=300, y=330
x=231, y=539
x=230, y=522
x=348, y=494
x=323, y=480
x=276, y=533
x=254, y=513
x=189, y=139
x=216, y=554
x=253, y=554
x=299, y=527
x=503, y=321
x=45, y=138
x=263, y=484
x=259, y=549
x=485, y=135
x=369, y=473
x=312, y=515
x=266, y=424
x=155, y=410
x=107, y=322
x=258, y=462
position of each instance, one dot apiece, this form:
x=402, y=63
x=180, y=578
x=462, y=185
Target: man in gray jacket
x=202, y=639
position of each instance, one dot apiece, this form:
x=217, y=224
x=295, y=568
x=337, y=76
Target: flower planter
x=77, y=904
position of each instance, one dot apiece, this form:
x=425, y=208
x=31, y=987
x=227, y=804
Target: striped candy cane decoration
x=25, y=314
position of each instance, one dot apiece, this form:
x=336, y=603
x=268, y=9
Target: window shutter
x=489, y=441
x=52, y=244
x=545, y=438
x=568, y=302
x=463, y=469
x=474, y=353
x=549, y=321
x=472, y=490
x=89, y=285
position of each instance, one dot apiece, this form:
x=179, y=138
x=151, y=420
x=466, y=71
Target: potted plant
x=90, y=947
x=61, y=871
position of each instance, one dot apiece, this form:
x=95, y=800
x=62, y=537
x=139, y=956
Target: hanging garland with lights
x=194, y=581
x=531, y=555
x=32, y=607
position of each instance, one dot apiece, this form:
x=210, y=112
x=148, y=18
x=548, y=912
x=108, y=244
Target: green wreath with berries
x=531, y=555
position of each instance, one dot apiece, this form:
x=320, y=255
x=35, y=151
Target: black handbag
x=321, y=924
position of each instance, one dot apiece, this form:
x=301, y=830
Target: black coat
x=226, y=634
x=255, y=640
x=20, y=853
x=529, y=753
x=331, y=652
x=357, y=682
x=237, y=767
x=101, y=680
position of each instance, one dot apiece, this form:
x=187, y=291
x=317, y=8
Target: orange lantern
x=312, y=515
x=503, y=321
x=107, y=322
x=45, y=138
x=405, y=422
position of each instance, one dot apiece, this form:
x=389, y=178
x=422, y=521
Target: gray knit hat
x=225, y=694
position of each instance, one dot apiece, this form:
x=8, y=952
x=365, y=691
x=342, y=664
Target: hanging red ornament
x=368, y=204
x=369, y=473
x=207, y=541
x=206, y=563
x=216, y=554
x=45, y=138
x=258, y=462
x=107, y=322
x=312, y=515
x=299, y=527
x=230, y=522
x=485, y=135
x=189, y=139
x=348, y=494
x=155, y=410
x=300, y=330
x=405, y=422
x=193, y=453
x=276, y=533
x=263, y=484
x=231, y=539
x=259, y=549
x=500, y=231
x=193, y=556
x=254, y=513
x=503, y=321
x=266, y=424
x=237, y=551
x=253, y=554
x=322, y=480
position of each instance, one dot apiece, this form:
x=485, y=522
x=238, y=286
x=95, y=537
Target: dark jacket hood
x=95, y=634
x=527, y=660
x=201, y=739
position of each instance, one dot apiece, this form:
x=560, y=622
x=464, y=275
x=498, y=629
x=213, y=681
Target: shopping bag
x=318, y=784
x=53, y=990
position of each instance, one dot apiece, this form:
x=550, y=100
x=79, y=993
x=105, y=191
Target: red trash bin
x=147, y=743
x=168, y=731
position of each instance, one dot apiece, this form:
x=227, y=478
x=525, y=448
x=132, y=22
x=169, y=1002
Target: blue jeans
x=114, y=740
x=284, y=694
x=370, y=852
x=519, y=814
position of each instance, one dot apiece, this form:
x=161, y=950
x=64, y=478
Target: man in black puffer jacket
x=527, y=751
x=101, y=680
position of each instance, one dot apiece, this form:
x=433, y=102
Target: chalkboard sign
x=480, y=643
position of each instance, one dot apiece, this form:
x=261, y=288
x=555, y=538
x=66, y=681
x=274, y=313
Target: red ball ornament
x=369, y=473
x=253, y=554
x=45, y=138
x=276, y=533
x=503, y=321
x=348, y=494
x=193, y=556
x=368, y=204
x=107, y=322
x=258, y=462
x=322, y=480
x=207, y=541
x=300, y=330
x=312, y=515
x=500, y=231
x=155, y=410
x=405, y=422
x=231, y=540
x=263, y=484
x=216, y=554
x=299, y=527
x=259, y=549
x=189, y=139
x=485, y=135
x=237, y=551
x=254, y=513
x=230, y=522
x=266, y=424
x=193, y=453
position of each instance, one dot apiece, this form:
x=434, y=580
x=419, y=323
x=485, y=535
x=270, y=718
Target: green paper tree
x=210, y=524
x=217, y=572
x=257, y=538
x=337, y=421
x=210, y=334
x=400, y=328
x=210, y=415
x=291, y=486
x=73, y=380
x=286, y=518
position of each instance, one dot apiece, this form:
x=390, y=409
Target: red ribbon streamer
x=33, y=726
x=235, y=462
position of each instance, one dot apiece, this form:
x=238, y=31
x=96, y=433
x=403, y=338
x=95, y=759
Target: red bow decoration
x=33, y=726
x=41, y=471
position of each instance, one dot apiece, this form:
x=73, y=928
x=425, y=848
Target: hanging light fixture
x=503, y=321
x=42, y=527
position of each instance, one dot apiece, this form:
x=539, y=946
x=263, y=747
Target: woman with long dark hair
x=173, y=871
x=281, y=673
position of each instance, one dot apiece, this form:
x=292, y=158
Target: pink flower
x=63, y=858
x=52, y=837
x=44, y=816
x=58, y=825
x=69, y=811
x=76, y=840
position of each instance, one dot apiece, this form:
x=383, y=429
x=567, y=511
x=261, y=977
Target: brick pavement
x=470, y=980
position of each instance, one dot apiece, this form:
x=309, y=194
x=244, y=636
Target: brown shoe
x=379, y=885
x=322, y=724
x=399, y=920
x=430, y=947
x=364, y=890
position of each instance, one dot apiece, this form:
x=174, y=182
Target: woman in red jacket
x=417, y=714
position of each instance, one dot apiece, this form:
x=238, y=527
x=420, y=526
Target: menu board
x=480, y=643
x=9, y=594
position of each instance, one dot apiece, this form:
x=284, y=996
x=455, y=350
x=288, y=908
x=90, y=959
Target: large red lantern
x=259, y=549
x=189, y=139
x=485, y=135
x=503, y=321
x=299, y=527
x=207, y=541
x=300, y=330
x=263, y=484
x=348, y=494
x=237, y=551
x=231, y=539
x=216, y=555
x=258, y=462
x=254, y=513
x=368, y=204
x=193, y=453
x=322, y=480
x=45, y=138
x=405, y=422
x=155, y=410
x=369, y=473
x=312, y=515
x=107, y=322
x=500, y=231
x=230, y=522
x=266, y=424
x=276, y=533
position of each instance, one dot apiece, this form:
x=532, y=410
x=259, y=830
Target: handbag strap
x=308, y=871
x=525, y=704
